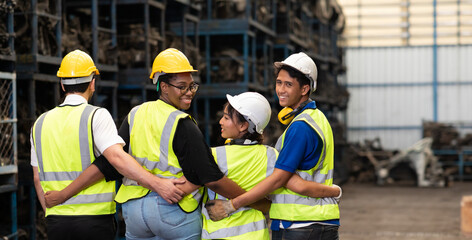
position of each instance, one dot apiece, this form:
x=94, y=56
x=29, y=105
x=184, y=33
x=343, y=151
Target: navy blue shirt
x=302, y=146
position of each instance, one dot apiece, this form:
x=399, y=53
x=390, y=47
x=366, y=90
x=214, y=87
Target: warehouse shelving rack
x=158, y=17
x=8, y=145
x=36, y=67
x=250, y=38
x=182, y=15
x=38, y=55
x=289, y=41
x=8, y=121
x=100, y=17
x=147, y=19
x=183, y=18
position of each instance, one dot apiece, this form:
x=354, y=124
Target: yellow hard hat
x=77, y=64
x=170, y=60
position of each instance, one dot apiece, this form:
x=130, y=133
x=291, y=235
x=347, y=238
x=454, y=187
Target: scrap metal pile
x=432, y=161
x=446, y=137
x=369, y=162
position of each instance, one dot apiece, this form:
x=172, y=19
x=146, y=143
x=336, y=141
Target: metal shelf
x=8, y=126
x=460, y=163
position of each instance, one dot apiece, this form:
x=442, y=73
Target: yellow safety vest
x=290, y=206
x=64, y=147
x=246, y=165
x=152, y=128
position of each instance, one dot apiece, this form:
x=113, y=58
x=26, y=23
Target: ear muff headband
x=287, y=114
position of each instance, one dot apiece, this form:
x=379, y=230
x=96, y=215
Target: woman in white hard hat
x=246, y=161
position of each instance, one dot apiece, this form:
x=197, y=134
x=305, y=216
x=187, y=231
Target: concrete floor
x=402, y=212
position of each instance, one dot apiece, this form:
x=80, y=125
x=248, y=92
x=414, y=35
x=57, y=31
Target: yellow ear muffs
x=286, y=115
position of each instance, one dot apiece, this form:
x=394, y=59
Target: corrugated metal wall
x=392, y=91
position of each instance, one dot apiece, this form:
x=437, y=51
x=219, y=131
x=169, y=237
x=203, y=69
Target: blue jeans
x=151, y=217
x=312, y=232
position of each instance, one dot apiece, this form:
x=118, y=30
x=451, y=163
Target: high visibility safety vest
x=290, y=206
x=152, y=128
x=64, y=147
x=246, y=165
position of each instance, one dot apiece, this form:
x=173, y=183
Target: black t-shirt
x=194, y=155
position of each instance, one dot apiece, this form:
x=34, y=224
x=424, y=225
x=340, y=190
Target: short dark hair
x=76, y=88
x=235, y=115
x=301, y=78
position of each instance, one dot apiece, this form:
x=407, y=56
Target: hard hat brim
x=279, y=65
x=190, y=71
x=79, y=80
x=231, y=100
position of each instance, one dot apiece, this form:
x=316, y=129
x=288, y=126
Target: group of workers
x=174, y=186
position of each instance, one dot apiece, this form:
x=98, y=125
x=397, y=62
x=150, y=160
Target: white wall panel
x=448, y=59
x=389, y=106
x=392, y=91
x=454, y=64
x=389, y=65
x=465, y=61
x=455, y=103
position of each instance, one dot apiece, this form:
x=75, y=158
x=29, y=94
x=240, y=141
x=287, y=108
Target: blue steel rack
x=36, y=68
x=183, y=17
x=102, y=20
x=34, y=65
x=288, y=41
x=252, y=38
x=8, y=122
x=150, y=15
x=461, y=163
x=134, y=84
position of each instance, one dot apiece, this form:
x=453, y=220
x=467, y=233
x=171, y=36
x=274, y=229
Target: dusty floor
x=402, y=212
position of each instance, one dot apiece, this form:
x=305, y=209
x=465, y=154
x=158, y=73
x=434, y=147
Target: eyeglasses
x=183, y=89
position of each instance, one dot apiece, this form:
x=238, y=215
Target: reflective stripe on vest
x=162, y=164
x=234, y=161
x=288, y=205
x=161, y=160
x=97, y=199
x=238, y=231
x=83, y=143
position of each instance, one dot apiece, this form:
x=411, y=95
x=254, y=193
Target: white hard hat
x=303, y=63
x=254, y=107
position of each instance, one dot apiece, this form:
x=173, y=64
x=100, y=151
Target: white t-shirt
x=104, y=129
